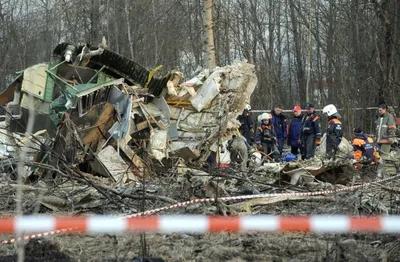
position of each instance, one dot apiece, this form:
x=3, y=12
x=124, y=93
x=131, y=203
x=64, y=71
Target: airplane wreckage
x=108, y=116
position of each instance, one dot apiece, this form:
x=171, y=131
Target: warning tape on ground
x=205, y=200
x=315, y=193
x=203, y=224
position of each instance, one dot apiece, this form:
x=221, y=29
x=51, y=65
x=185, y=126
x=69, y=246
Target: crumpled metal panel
x=118, y=65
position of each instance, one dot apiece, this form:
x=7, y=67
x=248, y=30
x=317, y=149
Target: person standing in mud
x=393, y=113
x=265, y=137
x=246, y=124
x=294, y=134
x=280, y=125
x=334, y=131
x=385, y=129
x=310, y=132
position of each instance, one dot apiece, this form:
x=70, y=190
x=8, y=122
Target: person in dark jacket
x=246, y=124
x=334, y=131
x=310, y=132
x=265, y=137
x=363, y=147
x=279, y=122
x=294, y=133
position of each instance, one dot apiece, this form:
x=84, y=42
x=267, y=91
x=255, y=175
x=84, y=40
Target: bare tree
x=208, y=9
x=353, y=45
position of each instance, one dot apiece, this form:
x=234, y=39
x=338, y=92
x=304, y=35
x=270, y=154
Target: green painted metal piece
x=49, y=89
x=84, y=89
x=57, y=109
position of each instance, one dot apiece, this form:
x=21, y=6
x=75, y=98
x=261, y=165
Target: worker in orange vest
x=265, y=137
x=364, y=150
x=334, y=131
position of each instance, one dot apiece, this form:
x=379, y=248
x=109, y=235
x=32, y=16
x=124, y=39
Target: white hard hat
x=247, y=107
x=329, y=110
x=264, y=116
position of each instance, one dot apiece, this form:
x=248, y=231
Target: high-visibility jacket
x=265, y=134
x=363, y=146
x=334, y=133
x=311, y=125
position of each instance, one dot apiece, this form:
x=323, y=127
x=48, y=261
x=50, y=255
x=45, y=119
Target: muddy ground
x=373, y=200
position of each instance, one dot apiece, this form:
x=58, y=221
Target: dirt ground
x=373, y=200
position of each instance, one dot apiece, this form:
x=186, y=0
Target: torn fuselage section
x=46, y=90
x=92, y=102
x=80, y=108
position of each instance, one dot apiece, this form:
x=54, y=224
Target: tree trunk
x=299, y=60
x=128, y=26
x=208, y=7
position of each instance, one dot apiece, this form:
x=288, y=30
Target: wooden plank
x=141, y=126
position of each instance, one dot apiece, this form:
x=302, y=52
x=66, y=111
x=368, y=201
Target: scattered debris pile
x=105, y=115
x=108, y=122
x=103, y=124
x=305, y=171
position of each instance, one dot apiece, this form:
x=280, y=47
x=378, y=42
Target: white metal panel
x=34, y=82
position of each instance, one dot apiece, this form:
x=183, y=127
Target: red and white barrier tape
x=315, y=193
x=39, y=235
x=203, y=224
x=204, y=200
